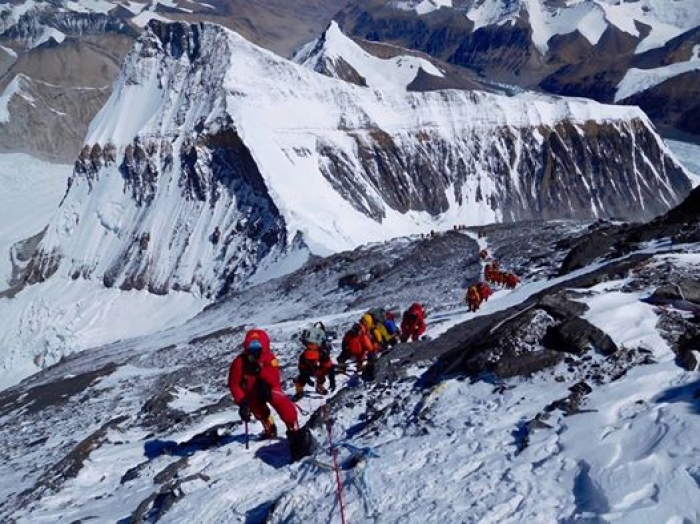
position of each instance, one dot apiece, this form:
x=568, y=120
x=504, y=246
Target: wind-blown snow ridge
x=638, y=80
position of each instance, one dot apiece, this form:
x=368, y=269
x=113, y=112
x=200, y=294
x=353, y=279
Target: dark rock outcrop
x=578, y=336
x=688, y=352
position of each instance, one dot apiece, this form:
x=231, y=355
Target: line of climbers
x=481, y=291
x=255, y=382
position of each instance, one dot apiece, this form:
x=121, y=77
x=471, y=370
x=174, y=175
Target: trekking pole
x=247, y=437
x=334, y=454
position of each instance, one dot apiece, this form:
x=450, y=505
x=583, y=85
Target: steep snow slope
x=689, y=155
x=157, y=437
x=30, y=191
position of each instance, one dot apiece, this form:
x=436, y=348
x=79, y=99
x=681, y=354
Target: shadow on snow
x=689, y=393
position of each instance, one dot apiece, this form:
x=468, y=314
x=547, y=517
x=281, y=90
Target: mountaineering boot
x=320, y=389
x=299, y=392
x=301, y=443
x=270, y=429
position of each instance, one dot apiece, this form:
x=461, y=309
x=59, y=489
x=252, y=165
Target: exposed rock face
x=578, y=336
x=604, y=240
x=415, y=171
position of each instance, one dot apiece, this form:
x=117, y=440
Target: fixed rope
x=336, y=468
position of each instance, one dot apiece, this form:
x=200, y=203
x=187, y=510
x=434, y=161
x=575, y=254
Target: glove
x=244, y=412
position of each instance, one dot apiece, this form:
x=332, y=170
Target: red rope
x=334, y=454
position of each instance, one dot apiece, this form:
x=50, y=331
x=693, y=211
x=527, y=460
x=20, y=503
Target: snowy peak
x=207, y=132
x=335, y=54
x=165, y=195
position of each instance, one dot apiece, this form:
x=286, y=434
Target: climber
x=484, y=291
x=510, y=280
x=377, y=332
x=378, y=338
x=355, y=346
x=314, y=361
x=473, y=297
x=488, y=272
x=413, y=323
x=483, y=254
x=492, y=273
x=216, y=235
x=392, y=329
x=254, y=381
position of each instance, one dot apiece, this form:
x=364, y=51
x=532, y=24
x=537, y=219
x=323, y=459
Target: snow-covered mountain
x=608, y=50
x=383, y=66
x=204, y=129
x=60, y=48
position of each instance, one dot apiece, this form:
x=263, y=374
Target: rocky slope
x=527, y=394
x=52, y=92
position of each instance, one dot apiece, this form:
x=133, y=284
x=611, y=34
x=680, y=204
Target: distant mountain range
x=59, y=59
x=642, y=52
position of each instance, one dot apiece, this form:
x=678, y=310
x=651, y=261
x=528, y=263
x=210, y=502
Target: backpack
x=378, y=314
x=391, y=327
x=314, y=335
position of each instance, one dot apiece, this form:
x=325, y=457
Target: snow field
x=30, y=190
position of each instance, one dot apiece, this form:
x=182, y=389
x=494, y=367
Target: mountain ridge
x=237, y=110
